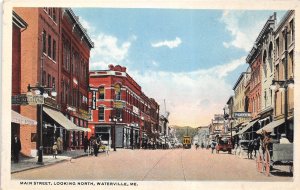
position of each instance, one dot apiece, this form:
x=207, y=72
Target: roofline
x=19, y=21
x=82, y=29
x=284, y=19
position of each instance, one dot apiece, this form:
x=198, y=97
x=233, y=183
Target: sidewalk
x=30, y=163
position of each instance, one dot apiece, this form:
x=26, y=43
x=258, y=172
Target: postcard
x=143, y=95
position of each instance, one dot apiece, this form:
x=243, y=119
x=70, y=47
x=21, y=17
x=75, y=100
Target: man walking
x=16, y=148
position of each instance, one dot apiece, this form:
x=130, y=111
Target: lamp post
x=41, y=90
x=114, y=119
x=284, y=84
x=131, y=136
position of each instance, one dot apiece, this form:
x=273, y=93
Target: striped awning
x=249, y=125
x=269, y=127
x=20, y=119
x=62, y=120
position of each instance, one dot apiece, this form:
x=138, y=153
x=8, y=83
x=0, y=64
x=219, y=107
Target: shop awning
x=62, y=120
x=249, y=125
x=269, y=127
x=20, y=119
x=86, y=129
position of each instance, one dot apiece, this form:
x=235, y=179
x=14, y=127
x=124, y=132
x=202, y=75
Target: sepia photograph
x=138, y=95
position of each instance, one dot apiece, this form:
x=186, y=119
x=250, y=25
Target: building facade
x=114, y=94
x=284, y=70
x=43, y=63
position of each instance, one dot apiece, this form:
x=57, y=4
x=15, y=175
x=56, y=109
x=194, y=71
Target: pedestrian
x=85, y=143
x=213, y=145
x=95, y=147
x=59, y=145
x=250, y=149
x=16, y=148
x=54, y=149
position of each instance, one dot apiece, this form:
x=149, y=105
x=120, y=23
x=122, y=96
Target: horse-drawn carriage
x=277, y=154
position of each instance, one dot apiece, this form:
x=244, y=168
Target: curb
x=49, y=164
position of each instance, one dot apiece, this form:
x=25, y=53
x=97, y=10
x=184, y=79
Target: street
x=158, y=165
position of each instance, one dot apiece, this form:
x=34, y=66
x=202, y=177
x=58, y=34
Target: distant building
x=114, y=93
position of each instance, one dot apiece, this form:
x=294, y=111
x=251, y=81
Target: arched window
x=101, y=93
x=117, y=92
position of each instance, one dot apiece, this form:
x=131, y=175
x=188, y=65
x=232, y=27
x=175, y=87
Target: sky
x=189, y=58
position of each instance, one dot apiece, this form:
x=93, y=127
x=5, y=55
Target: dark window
x=44, y=41
x=117, y=92
x=49, y=46
x=119, y=113
x=49, y=80
x=54, y=50
x=53, y=81
x=54, y=14
x=101, y=113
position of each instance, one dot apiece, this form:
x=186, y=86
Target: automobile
x=224, y=144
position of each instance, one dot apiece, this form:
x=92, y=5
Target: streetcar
x=187, y=142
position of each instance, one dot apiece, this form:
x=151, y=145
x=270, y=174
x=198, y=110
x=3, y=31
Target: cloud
x=86, y=25
x=243, y=34
x=109, y=50
x=170, y=44
x=154, y=63
x=191, y=97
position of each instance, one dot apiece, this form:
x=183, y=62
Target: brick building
x=115, y=94
x=44, y=60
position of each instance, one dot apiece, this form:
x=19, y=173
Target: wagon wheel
x=267, y=163
x=259, y=163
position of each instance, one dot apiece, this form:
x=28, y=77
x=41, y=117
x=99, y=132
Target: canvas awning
x=62, y=120
x=250, y=124
x=269, y=127
x=20, y=119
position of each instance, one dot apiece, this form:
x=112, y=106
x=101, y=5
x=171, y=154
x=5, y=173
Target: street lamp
x=41, y=90
x=114, y=119
x=286, y=83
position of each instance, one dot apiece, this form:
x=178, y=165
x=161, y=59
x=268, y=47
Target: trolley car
x=187, y=142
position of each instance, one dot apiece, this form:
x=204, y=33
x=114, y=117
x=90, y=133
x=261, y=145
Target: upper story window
x=277, y=48
x=66, y=54
x=292, y=32
x=117, y=92
x=52, y=13
x=49, y=46
x=101, y=113
x=54, y=50
x=44, y=41
x=101, y=93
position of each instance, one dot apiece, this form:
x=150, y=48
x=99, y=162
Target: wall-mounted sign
x=20, y=99
x=119, y=104
x=94, y=100
x=27, y=99
x=242, y=114
x=135, y=110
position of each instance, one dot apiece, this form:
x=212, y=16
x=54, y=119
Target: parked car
x=224, y=144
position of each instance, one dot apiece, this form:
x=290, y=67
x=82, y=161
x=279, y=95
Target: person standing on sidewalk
x=85, y=143
x=59, y=145
x=16, y=148
x=55, y=149
x=95, y=147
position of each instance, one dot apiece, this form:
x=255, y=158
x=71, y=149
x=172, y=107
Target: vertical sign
x=94, y=100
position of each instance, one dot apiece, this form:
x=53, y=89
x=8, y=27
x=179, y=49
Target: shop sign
x=51, y=103
x=242, y=114
x=27, y=99
x=20, y=99
x=119, y=104
x=35, y=99
x=135, y=110
x=84, y=114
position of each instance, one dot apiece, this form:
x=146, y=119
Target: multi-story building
x=45, y=54
x=265, y=40
x=18, y=25
x=284, y=70
x=115, y=94
x=241, y=114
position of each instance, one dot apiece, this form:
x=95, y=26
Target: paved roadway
x=149, y=165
